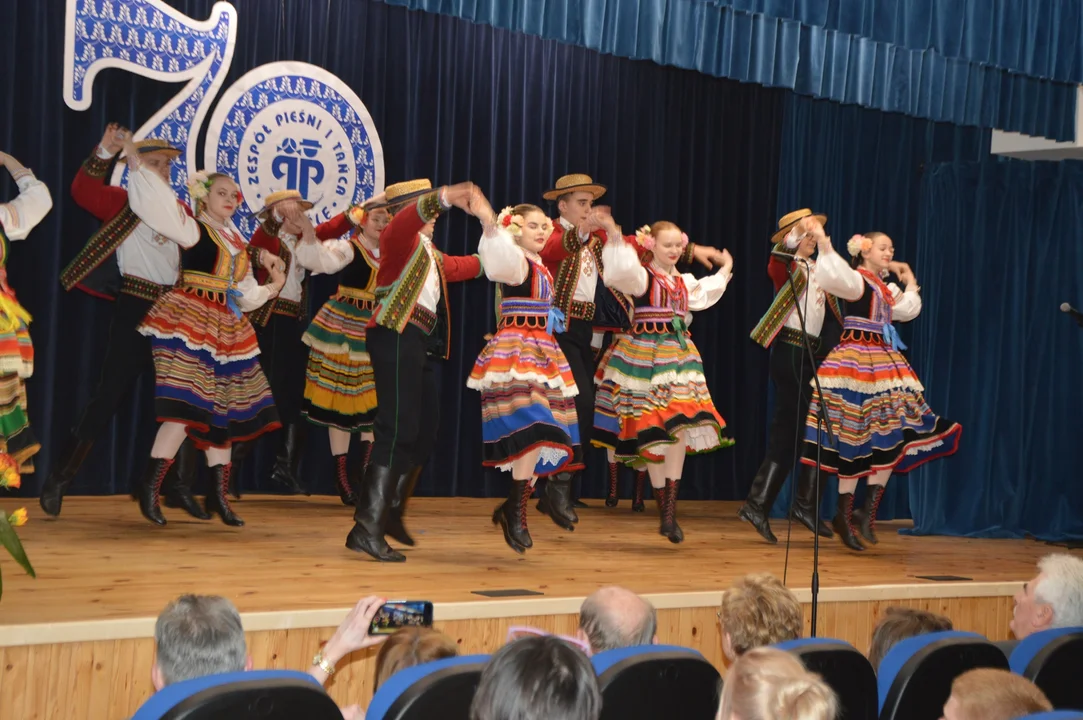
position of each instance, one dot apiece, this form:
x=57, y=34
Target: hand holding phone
x=397, y=614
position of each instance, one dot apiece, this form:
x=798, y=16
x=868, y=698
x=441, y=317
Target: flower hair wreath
x=514, y=223
x=858, y=244
x=646, y=239
x=199, y=185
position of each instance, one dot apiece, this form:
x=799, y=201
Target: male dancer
x=573, y=255
x=125, y=261
x=286, y=232
x=410, y=329
x=791, y=370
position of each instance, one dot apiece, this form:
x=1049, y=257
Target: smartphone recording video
x=399, y=614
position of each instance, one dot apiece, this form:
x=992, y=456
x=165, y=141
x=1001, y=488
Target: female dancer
x=17, y=219
x=875, y=402
x=208, y=381
x=653, y=405
x=340, y=390
x=527, y=390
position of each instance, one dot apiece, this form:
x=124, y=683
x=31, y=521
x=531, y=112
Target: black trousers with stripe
x=408, y=415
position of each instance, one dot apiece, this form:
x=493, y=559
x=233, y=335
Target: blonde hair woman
x=769, y=684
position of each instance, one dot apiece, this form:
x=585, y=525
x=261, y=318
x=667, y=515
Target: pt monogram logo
x=295, y=126
x=284, y=125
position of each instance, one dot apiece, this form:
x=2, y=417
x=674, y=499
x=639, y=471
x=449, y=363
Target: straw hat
x=403, y=192
x=575, y=183
x=786, y=223
x=153, y=145
x=282, y=196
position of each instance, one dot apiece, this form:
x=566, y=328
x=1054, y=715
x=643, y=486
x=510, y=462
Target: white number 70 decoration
x=149, y=38
x=284, y=125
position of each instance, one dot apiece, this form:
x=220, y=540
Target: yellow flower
x=9, y=472
x=18, y=518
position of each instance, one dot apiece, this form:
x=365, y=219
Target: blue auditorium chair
x=1053, y=660
x=655, y=681
x=264, y=694
x=916, y=675
x=844, y=668
x=439, y=689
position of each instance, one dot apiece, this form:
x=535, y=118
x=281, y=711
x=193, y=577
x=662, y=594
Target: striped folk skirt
x=16, y=365
x=649, y=390
x=527, y=401
x=877, y=410
x=340, y=389
x=206, y=369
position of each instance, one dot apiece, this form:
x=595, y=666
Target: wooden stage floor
x=101, y=560
x=77, y=642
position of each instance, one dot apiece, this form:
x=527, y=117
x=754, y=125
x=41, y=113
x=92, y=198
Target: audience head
x=770, y=684
x=900, y=623
x=409, y=647
x=537, y=678
x=988, y=694
x=758, y=610
x=1053, y=599
x=614, y=617
x=198, y=635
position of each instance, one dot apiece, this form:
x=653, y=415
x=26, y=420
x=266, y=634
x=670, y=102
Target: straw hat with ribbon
x=789, y=220
x=575, y=183
x=153, y=145
x=280, y=196
x=402, y=193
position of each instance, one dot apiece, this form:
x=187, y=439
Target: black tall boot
x=865, y=518
x=611, y=494
x=291, y=446
x=844, y=522
x=238, y=454
x=343, y=482
x=806, y=503
x=62, y=474
x=757, y=508
x=669, y=526
x=556, y=501
x=177, y=491
x=511, y=516
x=638, y=493
x=357, y=470
x=573, y=499
x=150, y=489
x=218, y=498
x=404, y=490
x=373, y=499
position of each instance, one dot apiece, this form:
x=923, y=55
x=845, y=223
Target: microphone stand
x=821, y=420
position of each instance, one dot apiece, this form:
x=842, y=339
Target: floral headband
x=646, y=240
x=357, y=215
x=199, y=187
x=858, y=244
x=514, y=223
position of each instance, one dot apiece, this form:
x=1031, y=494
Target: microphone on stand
x=1073, y=313
x=790, y=257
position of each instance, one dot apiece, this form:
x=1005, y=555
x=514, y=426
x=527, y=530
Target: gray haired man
x=198, y=635
x=614, y=617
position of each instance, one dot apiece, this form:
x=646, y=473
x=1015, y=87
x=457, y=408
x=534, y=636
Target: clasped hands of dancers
x=574, y=362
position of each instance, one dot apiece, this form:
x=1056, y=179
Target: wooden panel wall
x=109, y=680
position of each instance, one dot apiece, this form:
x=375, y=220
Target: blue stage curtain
x=811, y=59
x=1038, y=38
x=998, y=252
x=452, y=101
x=863, y=169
